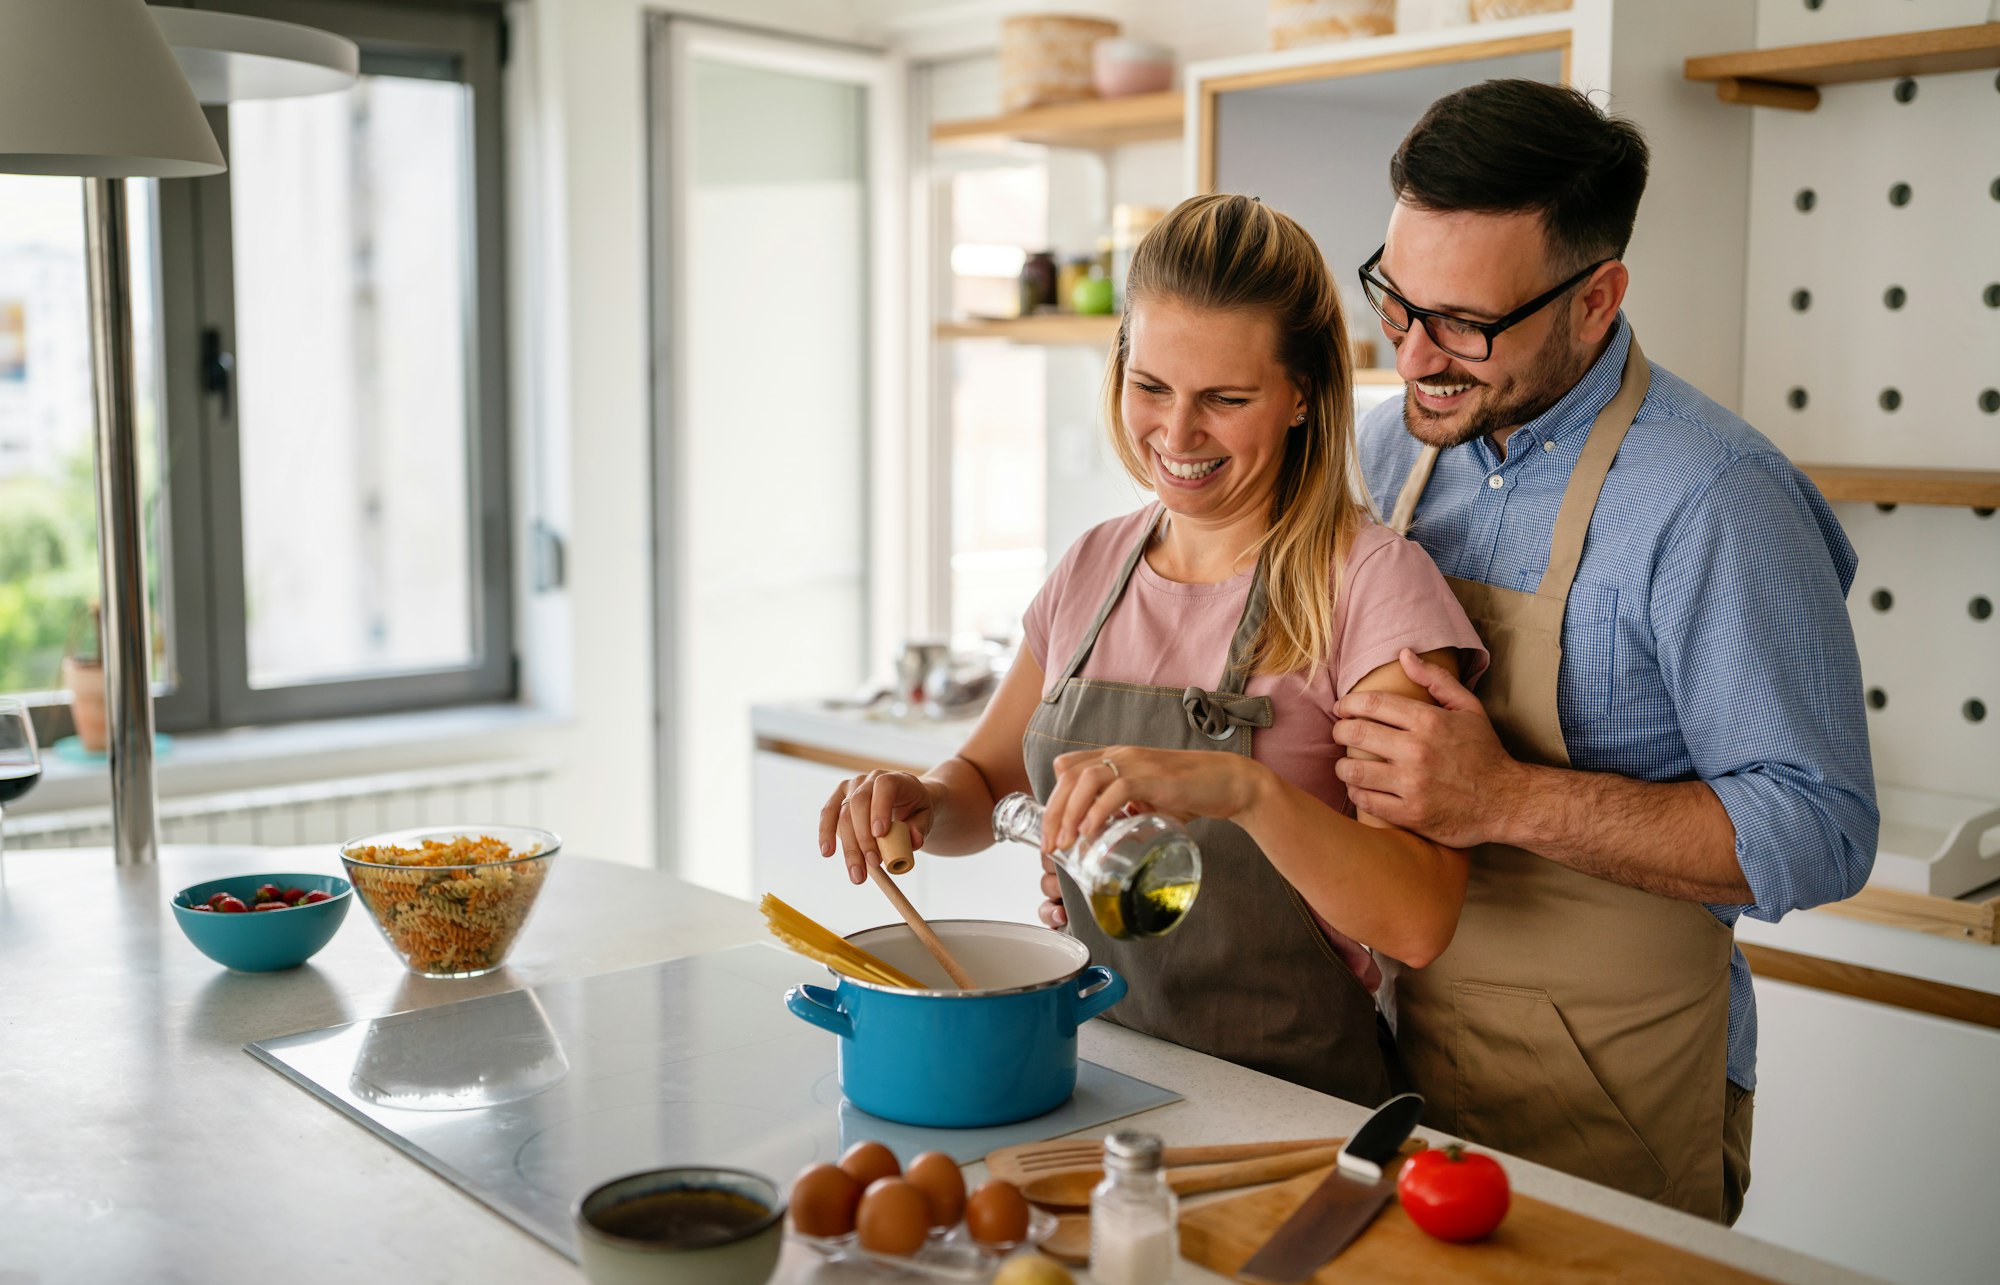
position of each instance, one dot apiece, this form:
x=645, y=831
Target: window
x=320, y=333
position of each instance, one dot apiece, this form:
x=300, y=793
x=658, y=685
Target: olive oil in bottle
x=1140, y=873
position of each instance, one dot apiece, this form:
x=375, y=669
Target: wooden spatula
x=1070, y=1188
x=1024, y=1162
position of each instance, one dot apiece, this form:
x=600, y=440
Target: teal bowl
x=262, y=941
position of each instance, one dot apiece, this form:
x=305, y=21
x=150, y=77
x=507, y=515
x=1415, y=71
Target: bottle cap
x=1130, y=1151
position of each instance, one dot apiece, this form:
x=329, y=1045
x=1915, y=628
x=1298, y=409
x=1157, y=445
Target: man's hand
x=1444, y=773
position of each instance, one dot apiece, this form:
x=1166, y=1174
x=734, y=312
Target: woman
x=1228, y=395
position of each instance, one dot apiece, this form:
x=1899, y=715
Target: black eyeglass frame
x=1492, y=330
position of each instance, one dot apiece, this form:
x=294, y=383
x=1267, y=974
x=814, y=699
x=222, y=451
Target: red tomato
x=1453, y=1194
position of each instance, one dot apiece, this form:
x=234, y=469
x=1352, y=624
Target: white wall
x=581, y=392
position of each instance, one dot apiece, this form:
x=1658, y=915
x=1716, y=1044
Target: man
x=1671, y=733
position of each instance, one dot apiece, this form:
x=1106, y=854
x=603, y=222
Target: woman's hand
x=860, y=811
x=1093, y=786
x=1051, y=911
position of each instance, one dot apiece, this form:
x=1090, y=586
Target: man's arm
x=1754, y=647
x=1445, y=774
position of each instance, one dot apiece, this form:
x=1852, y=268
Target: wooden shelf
x=1041, y=328
x=1968, y=919
x=1093, y=123
x=1068, y=328
x=1971, y=488
x=1785, y=77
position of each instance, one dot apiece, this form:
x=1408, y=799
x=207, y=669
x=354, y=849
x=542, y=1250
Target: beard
x=1502, y=407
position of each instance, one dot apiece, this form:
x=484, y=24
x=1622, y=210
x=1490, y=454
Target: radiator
x=508, y=791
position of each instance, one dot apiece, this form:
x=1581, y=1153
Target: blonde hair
x=1234, y=254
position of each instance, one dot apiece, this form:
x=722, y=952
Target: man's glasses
x=1464, y=339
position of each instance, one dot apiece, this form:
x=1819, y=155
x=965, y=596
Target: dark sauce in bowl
x=682, y=1217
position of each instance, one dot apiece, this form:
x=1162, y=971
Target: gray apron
x=1247, y=976
x=1575, y=1022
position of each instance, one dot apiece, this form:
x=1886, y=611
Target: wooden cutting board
x=1538, y=1242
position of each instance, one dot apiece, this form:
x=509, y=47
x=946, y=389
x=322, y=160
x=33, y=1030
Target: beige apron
x=1574, y=1022
x=1247, y=976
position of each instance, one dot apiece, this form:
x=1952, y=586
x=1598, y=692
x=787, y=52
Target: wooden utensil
x=1537, y=1242
x=1070, y=1241
x=959, y=977
x=899, y=855
x=1070, y=1188
x=1023, y=1162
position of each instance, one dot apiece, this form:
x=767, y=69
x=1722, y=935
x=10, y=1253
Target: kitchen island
x=138, y=1141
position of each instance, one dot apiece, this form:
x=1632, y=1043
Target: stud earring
x=1300, y=420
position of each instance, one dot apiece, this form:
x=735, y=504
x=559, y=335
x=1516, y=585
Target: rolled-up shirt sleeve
x=1750, y=619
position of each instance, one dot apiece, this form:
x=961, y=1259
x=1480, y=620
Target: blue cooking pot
x=948, y=1058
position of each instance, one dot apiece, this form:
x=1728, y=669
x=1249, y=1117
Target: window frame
x=205, y=514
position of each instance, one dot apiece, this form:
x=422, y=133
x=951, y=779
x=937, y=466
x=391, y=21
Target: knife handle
x=1376, y=1143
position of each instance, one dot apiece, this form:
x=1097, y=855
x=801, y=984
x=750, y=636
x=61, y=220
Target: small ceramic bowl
x=1121, y=67
x=262, y=941
x=628, y=1234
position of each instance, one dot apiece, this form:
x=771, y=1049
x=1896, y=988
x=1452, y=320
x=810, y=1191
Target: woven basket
x=1045, y=58
x=1495, y=10
x=1313, y=22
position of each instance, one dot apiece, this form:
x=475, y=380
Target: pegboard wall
x=1872, y=337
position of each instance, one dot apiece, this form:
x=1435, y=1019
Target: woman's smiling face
x=1207, y=405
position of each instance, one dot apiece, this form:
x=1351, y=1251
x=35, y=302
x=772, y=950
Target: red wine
x=17, y=779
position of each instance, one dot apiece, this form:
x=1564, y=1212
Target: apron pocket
x=1524, y=1087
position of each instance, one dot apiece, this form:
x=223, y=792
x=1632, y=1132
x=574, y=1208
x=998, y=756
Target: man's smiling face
x=1481, y=267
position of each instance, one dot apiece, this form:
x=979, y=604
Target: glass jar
x=1134, y=1238
x=1141, y=873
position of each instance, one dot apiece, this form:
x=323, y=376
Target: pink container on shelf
x=1121, y=67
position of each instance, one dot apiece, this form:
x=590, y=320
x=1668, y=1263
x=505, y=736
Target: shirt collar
x=1579, y=407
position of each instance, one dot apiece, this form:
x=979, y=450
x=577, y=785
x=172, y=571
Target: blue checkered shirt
x=1706, y=635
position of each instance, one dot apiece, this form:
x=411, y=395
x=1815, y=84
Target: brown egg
x=823, y=1201
x=997, y=1213
x=894, y=1217
x=936, y=1175
x=867, y=1161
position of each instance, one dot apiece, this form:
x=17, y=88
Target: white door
x=778, y=239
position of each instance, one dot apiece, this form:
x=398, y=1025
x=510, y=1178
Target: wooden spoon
x=1070, y=1241
x=897, y=843
x=1023, y=1162
x=1070, y=1189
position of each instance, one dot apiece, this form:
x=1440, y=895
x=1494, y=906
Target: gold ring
x=1114, y=768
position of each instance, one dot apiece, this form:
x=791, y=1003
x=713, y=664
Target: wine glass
x=20, y=763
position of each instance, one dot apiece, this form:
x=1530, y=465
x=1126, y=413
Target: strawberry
x=268, y=892
x=231, y=905
x=314, y=898
x=204, y=908
x=215, y=901
x=270, y=905
x=292, y=895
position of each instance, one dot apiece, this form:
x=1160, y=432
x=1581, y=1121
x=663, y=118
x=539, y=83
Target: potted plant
x=83, y=677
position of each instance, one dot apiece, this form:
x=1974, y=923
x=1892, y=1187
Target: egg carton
x=946, y=1256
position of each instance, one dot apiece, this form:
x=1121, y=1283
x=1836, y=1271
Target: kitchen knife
x=1342, y=1206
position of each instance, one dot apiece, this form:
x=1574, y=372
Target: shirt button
x=1548, y=446
x=1496, y=481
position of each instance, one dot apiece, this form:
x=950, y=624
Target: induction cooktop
x=528, y=1099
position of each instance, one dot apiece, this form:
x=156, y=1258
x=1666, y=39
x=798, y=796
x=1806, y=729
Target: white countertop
x=139, y=1142
x=919, y=743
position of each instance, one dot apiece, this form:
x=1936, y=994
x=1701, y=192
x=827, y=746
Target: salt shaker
x=1134, y=1236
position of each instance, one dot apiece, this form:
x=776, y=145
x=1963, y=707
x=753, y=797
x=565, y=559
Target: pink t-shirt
x=1166, y=634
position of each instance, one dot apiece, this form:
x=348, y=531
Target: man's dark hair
x=1510, y=146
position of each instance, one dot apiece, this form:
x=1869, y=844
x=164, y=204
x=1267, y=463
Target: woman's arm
x=1392, y=889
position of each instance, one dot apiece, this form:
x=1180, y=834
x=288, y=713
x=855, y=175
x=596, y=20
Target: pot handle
x=1098, y=988
x=821, y=1007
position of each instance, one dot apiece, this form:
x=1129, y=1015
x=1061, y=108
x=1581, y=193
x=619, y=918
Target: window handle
x=218, y=367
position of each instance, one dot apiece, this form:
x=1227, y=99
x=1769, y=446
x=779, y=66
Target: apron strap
x=1413, y=490
x=1579, y=500
x=1104, y=611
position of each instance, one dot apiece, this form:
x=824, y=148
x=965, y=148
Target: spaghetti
x=821, y=944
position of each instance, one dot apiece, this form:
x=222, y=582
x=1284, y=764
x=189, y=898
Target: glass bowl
x=450, y=900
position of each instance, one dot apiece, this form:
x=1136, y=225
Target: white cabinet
x=1873, y=1137
x=1000, y=883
